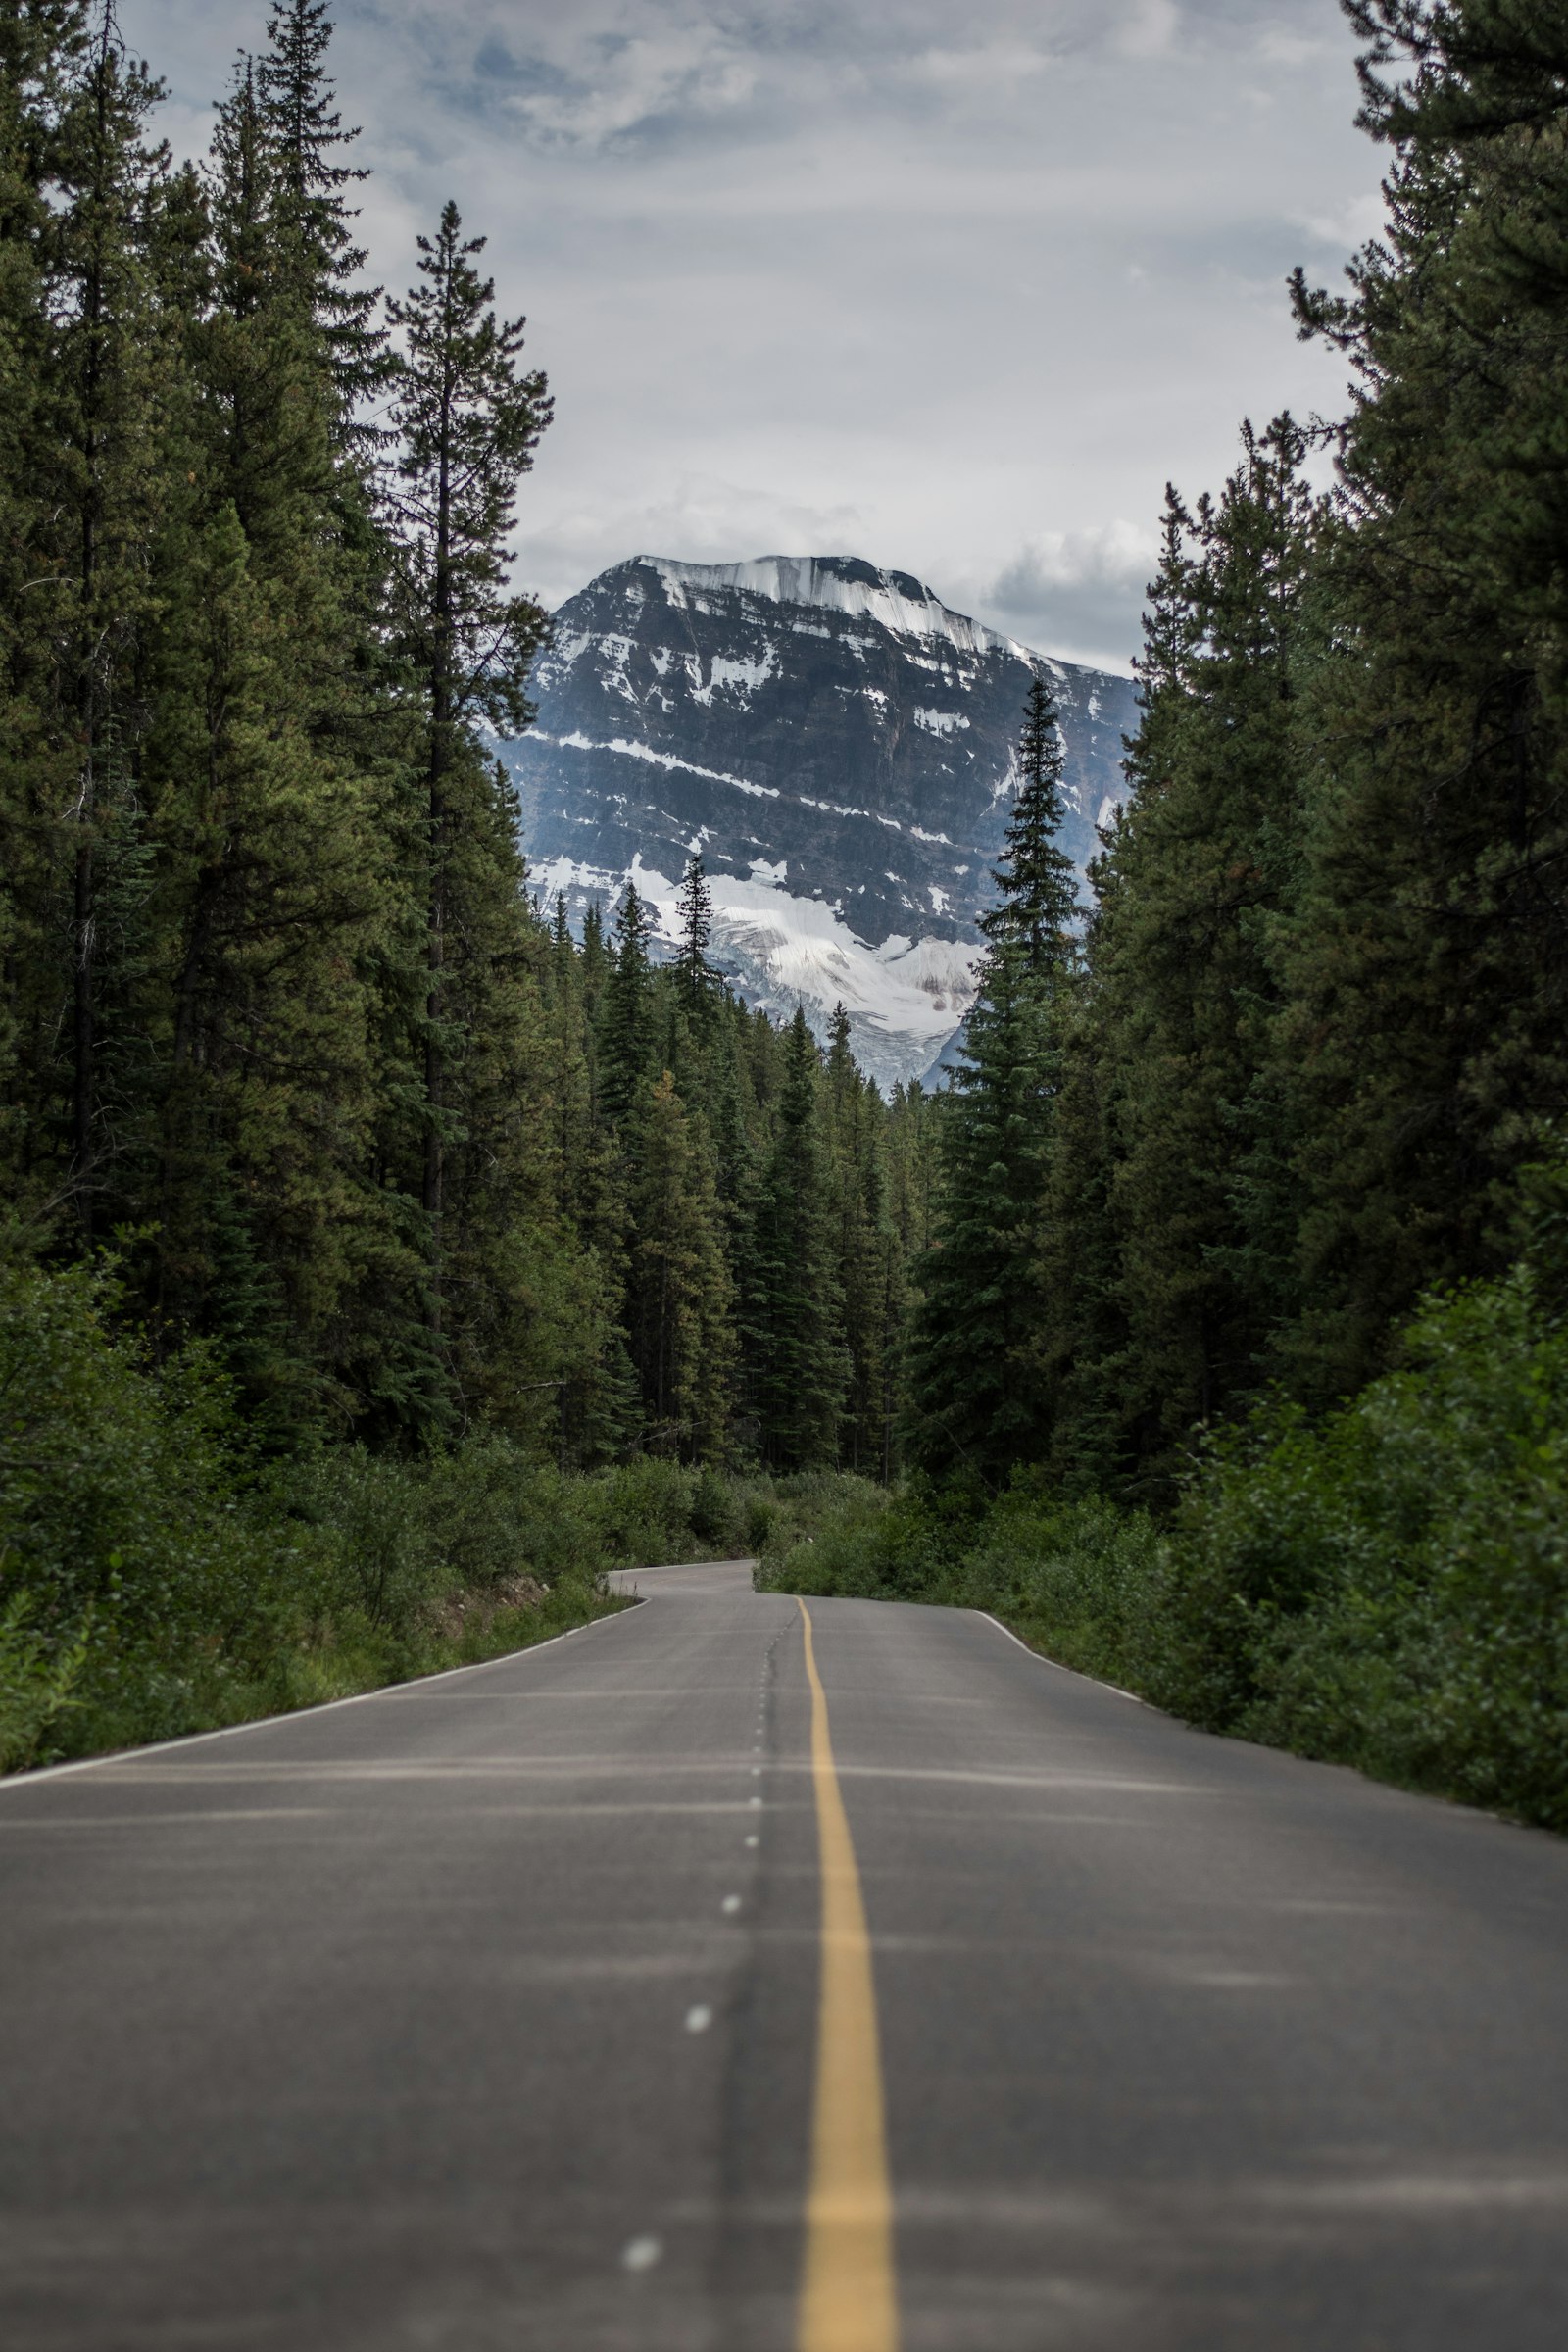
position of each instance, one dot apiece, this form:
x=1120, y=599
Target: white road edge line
x=1041, y=1659
x=356, y=1699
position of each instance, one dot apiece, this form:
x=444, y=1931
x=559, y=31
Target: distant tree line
x=280, y=1022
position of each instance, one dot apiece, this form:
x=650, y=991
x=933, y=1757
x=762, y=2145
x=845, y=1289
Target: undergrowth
x=1384, y=1586
x=158, y=1575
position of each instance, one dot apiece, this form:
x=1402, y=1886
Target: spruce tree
x=1037, y=905
x=315, y=232
x=40, y=50
x=797, y=1366
x=864, y=1253
x=103, y=484
x=627, y=1020
x=694, y=925
x=1427, y=967
x=680, y=1293
x=467, y=422
x=974, y=1403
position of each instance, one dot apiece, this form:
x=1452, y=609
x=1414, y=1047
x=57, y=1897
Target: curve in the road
x=491, y=2015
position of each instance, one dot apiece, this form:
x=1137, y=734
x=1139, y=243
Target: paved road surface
x=483, y=2014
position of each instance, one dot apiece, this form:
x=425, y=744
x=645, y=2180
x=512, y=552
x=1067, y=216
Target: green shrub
x=38, y=1678
x=1387, y=1587
x=1390, y=1587
x=157, y=1578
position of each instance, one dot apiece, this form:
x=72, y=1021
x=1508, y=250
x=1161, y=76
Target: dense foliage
x=427, y=1194
x=163, y=1571
x=1385, y=1584
x=1273, y=1407
x=380, y=1262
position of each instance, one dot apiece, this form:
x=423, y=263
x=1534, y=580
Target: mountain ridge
x=838, y=744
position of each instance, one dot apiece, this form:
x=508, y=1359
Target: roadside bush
x=1386, y=1586
x=158, y=1577
x=1082, y=1579
x=1390, y=1587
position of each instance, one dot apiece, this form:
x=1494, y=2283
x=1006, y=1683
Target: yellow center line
x=849, y=2301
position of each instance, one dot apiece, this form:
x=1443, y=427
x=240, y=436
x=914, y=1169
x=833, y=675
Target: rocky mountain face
x=839, y=747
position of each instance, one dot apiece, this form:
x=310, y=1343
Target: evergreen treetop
x=1038, y=902
x=694, y=923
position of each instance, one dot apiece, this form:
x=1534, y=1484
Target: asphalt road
x=485, y=2014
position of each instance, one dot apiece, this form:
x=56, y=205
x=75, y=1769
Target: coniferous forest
x=379, y=1262
x=1239, y=1371
x=354, y=1214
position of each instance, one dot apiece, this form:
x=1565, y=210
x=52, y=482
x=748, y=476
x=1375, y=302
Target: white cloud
x=699, y=519
x=945, y=290
x=1350, y=225
x=679, y=71
x=1078, y=593
x=1150, y=28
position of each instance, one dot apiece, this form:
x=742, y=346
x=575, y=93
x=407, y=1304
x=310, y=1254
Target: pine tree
x=864, y=1253
x=271, y=903
x=102, y=483
x=40, y=53
x=626, y=1031
x=680, y=1296
x=797, y=1364
x=1037, y=906
x=694, y=923
x=1198, y=872
x=316, y=238
x=974, y=1404
x=1428, y=964
x=469, y=423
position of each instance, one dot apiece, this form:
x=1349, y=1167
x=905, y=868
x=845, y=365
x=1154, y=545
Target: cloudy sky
x=953, y=288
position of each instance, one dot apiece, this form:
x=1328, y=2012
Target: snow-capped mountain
x=837, y=744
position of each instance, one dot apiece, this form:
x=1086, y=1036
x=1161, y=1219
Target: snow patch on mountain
x=896, y=600
x=904, y=999
x=625, y=749
x=799, y=719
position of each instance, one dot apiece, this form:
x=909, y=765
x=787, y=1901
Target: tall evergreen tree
x=865, y=1252
x=1037, y=904
x=40, y=51
x=1199, y=869
x=974, y=1401
x=1428, y=964
x=469, y=421
x=103, y=486
x=797, y=1362
x=680, y=1289
x=626, y=1031
x=694, y=924
x=315, y=222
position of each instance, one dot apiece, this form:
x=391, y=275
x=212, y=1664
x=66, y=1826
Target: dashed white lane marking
x=641, y=2253
x=731, y=1903
x=699, y=2019
x=755, y=1800
x=754, y=1842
